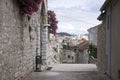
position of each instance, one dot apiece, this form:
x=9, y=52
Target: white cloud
x=64, y=27
x=63, y=3
x=76, y=16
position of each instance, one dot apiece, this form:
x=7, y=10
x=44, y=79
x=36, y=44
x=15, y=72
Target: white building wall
x=93, y=35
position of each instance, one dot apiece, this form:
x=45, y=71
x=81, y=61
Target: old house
x=82, y=51
x=20, y=39
x=110, y=20
x=69, y=56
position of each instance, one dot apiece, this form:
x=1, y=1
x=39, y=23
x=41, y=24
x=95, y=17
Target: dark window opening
x=68, y=56
x=75, y=50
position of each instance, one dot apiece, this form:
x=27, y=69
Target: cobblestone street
x=67, y=75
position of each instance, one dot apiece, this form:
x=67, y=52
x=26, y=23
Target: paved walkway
x=57, y=73
x=74, y=67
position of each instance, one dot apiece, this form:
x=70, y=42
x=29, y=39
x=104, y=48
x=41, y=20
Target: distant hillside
x=64, y=34
x=85, y=34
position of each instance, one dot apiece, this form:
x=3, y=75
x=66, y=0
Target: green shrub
x=64, y=46
x=92, y=50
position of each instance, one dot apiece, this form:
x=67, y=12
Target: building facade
x=92, y=36
x=110, y=16
x=101, y=49
x=69, y=56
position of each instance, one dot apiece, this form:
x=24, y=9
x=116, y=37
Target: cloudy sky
x=76, y=16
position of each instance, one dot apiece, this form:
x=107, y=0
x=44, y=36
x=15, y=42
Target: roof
x=102, y=9
x=83, y=44
x=104, y=5
x=101, y=16
x=93, y=29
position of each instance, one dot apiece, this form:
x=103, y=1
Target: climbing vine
x=29, y=6
x=52, y=21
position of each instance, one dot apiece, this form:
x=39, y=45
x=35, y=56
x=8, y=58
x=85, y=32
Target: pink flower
x=29, y=6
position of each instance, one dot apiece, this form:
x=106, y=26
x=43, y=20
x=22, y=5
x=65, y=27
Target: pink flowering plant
x=52, y=21
x=29, y=6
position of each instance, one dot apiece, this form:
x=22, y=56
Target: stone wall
x=69, y=56
x=17, y=40
x=83, y=57
x=101, y=54
x=44, y=42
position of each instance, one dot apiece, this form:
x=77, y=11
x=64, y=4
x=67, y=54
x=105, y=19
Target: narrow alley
x=69, y=72
x=59, y=40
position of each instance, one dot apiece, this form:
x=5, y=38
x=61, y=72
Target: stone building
x=101, y=50
x=111, y=19
x=69, y=56
x=83, y=55
x=19, y=39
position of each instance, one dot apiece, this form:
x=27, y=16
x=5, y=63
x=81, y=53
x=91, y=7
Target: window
x=68, y=56
x=75, y=50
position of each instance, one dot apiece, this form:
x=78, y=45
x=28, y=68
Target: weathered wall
x=112, y=29
x=83, y=57
x=71, y=58
x=92, y=37
x=17, y=40
x=115, y=40
x=44, y=36
x=101, y=54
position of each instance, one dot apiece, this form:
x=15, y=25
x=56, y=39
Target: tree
x=92, y=50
